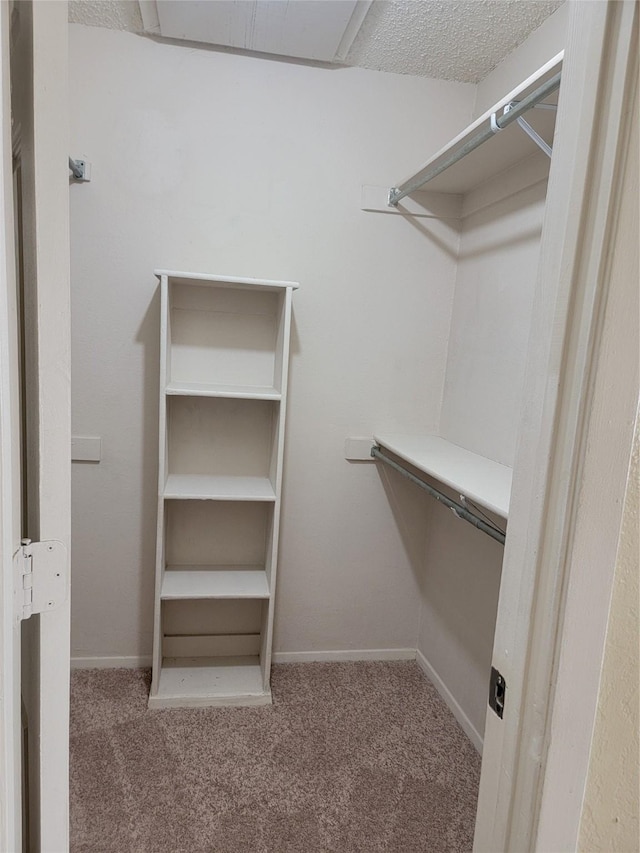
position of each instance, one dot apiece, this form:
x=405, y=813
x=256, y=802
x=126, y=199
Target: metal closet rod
x=495, y=124
x=460, y=510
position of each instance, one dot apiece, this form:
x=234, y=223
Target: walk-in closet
x=316, y=318
x=408, y=337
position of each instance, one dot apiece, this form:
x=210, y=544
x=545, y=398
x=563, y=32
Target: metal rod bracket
x=531, y=133
x=459, y=509
x=80, y=169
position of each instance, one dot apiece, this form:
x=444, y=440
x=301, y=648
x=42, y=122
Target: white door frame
x=610, y=412
x=10, y=495
x=40, y=108
x=52, y=269
x=548, y=576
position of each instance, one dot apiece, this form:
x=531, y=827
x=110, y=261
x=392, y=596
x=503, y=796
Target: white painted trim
x=352, y=29
x=50, y=735
x=454, y=706
x=344, y=655
x=10, y=727
x=150, y=19
x=117, y=662
x=549, y=464
x=610, y=261
x=230, y=280
x=135, y=661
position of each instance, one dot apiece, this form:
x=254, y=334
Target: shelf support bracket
x=531, y=133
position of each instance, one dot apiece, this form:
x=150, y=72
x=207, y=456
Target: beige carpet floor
x=350, y=757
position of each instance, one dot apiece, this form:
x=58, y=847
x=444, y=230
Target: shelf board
x=242, y=392
x=202, y=682
x=218, y=488
x=481, y=480
x=506, y=148
x=189, y=582
x=227, y=280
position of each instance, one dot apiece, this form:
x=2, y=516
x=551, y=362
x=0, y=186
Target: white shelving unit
x=223, y=387
x=481, y=480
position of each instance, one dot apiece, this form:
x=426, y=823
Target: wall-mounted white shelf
x=223, y=383
x=481, y=480
x=506, y=148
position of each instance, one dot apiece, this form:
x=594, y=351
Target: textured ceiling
x=111, y=14
x=446, y=39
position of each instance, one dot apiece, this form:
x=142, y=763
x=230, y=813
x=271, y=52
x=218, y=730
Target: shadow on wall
x=458, y=570
x=412, y=510
x=449, y=243
x=510, y=223
x=461, y=584
x=149, y=337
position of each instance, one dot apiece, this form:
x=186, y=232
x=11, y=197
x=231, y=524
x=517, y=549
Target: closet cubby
x=208, y=629
x=225, y=340
x=223, y=383
x=216, y=548
x=217, y=438
x=216, y=532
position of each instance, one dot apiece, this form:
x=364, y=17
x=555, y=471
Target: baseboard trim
x=344, y=655
x=465, y=723
x=123, y=662
x=134, y=661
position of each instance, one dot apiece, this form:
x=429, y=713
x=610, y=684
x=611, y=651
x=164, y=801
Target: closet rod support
x=535, y=136
x=396, y=194
x=531, y=133
x=459, y=509
x=550, y=107
x=80, y=169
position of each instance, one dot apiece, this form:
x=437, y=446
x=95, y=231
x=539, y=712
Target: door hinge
x=497, y=692
x=42, y=576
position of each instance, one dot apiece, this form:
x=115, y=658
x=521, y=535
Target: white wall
x=611, y=808
x=610, y=816
x=211, y=162
x=494, y=288
x=495, y=279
